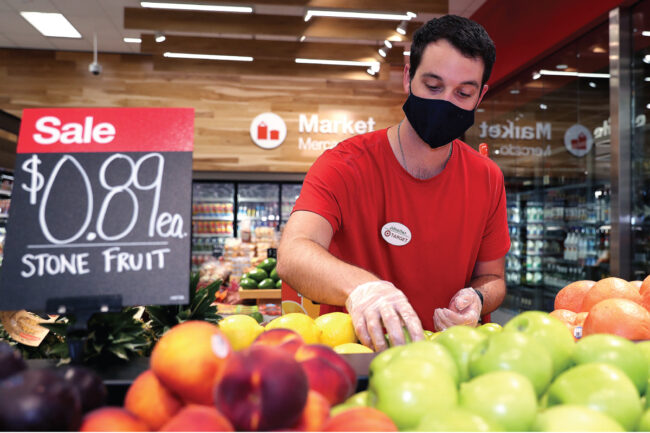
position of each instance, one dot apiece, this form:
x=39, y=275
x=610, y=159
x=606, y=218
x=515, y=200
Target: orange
x=570, y=297
x=608, y=288
x=567, y=317
x=645, y=285
x=113, y=419
x=580, y=318
x=189, y=360
x=620, y=317
x=637, y=284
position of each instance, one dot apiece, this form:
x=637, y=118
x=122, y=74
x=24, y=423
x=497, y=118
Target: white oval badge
x=396, y=234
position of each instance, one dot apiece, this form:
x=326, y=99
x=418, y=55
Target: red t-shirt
x=424, y=236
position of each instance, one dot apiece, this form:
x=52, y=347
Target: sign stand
x=82, y=308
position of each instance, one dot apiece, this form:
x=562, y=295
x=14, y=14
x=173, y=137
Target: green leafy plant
x=52, y=347
x=164, y=317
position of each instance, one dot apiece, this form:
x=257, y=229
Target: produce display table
x=118, y=376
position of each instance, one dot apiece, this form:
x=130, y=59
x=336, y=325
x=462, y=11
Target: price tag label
x=101, y=205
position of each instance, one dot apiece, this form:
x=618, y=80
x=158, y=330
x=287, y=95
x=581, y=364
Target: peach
x=189, y=360
x=262, y=388
x=285, y=339
x=360, y=419
x=112, y=419
x=315, y=413
x=328, y=372
x=150, y=401
x=194, y=417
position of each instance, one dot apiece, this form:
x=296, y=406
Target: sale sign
x=101, y=205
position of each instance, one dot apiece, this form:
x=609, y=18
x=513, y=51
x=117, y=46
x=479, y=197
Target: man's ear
x=406, y=79
x=483, y=92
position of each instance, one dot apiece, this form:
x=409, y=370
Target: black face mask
x=436, y=121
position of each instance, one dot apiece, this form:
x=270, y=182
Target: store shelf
x=201, y=253
x=5, y=193
x=257, y=218
x=257, y=200
x=260, y=294
x=213, y=200
x=210, y=218
x=4, y=215
x=212, y=235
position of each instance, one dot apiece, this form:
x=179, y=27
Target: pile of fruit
x=197, y=382
x=611, y=306
x=264, y=276
x=530, y=376
x=45, y=399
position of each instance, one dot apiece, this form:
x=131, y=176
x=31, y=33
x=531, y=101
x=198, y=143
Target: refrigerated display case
x=221, y=208
x=212, y=219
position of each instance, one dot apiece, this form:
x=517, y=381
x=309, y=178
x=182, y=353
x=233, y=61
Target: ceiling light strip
x=337, y=62
x=573, y=74
x=207, y=57
x=53, y=25
x=361, y=15
x=133, y=40
x=197, y=7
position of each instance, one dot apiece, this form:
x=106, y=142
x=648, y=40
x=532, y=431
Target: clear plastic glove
x=378, y=304
x=464, y=309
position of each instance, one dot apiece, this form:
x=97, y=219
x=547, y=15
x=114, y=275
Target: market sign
x=101, y=206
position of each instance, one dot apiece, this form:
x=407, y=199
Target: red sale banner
x=73, y=130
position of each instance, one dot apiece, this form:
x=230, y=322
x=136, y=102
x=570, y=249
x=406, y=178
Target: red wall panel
x=525, y=31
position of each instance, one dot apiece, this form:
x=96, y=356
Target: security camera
x=95, y=68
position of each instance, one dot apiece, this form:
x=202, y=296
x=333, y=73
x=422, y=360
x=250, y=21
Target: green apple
x=513, y=351
x=357, y=400
x=617, y=351
x=505, y=398
x=554, y=335
x=407, y=389
x=645, y=348
x=456, y=419
x=460, y=341
x=490, y=328
x=569, y=417
x=430, y=351
x=644, y=422
x=430, y=335
x=601, y=387
x=383, y=359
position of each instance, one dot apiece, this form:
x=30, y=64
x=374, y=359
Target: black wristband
x=480, y=295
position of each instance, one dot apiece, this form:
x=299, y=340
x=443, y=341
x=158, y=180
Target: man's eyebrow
x=438, y=77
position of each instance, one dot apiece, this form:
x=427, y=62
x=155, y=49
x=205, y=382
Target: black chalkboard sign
x=101, y=205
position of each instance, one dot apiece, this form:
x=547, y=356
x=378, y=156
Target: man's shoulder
x=356, y=150
x=476, y=161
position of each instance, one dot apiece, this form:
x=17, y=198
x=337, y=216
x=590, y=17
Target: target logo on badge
x=268, y=130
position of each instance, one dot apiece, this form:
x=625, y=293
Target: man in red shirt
x=407, y=225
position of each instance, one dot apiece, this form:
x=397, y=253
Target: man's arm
x=305, y=263
x=489, y=279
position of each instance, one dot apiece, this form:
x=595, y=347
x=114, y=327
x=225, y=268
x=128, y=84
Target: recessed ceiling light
x=647, y=106
x=543, y=106
x=646, y=79
x=574, y=74
x=388, y=44
x=371, y=71
x=132, y=40
x=197, y=7
x=53, y=25
x=160, y=37
x=407, y=53
x=411, y=14
x=536, y=75
x=349, y=14
x=382, y=52
x=336, y=62
x=646, y=58
x=645, y=33
x=561, y=66
x=598, y=50
x=592, y=84
x=514, y=91
x=401, y=29
x=208, y=57
x=302, y=38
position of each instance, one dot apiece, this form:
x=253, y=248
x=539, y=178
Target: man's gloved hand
x=464, y=309
x=378, y=304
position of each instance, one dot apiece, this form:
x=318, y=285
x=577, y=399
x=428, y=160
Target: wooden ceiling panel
x=259, y=49
x=247, y=24
x=266, y=67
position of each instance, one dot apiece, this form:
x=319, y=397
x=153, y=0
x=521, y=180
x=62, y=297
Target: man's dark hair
x=467, y=36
